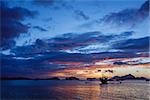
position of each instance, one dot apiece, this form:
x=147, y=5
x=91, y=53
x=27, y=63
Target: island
x=72, y=78
x=91, y=79
x=127, y=77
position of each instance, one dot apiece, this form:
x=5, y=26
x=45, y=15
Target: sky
x=63, y=38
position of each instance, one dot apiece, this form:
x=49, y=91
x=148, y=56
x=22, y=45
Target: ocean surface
x=73, y=90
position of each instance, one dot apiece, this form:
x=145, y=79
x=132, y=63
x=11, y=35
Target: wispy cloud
x=39, y=28
x=81, y=15
x=127, y=18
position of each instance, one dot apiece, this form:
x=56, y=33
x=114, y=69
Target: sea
x=73, y=90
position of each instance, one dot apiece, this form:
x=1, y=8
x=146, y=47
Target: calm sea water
x=73, y=90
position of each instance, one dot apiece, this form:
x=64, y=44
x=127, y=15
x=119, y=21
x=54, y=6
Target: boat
x=104, y=80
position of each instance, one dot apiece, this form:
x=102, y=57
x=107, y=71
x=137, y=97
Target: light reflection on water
x=73, y=90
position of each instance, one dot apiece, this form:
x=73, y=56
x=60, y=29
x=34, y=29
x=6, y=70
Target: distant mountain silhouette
x=25, y=78
x=53, y=78
x=15, y=78
x=128, y=77
x=91, y=79
x=115, y=78
x=72, y=78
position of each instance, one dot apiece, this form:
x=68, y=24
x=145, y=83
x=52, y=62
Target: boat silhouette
x=104, y=80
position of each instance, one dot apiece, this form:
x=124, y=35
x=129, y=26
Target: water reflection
x=73, y=90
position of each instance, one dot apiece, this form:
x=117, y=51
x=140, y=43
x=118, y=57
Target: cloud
x=133, y=61
x=140, y=44
x=19, y=66
x=45, y=3
x=54, y=4
x=62, y=4
x=28, y=52
x=91, y=42
x=50, y=55
x=99, y=70
x=120, y=63
x=46, y=56
x=81, y=15
x=127, y=18
x=95, y=42
x=39, y=28
x=110, y=71
x=11, y=23
x=27, y=61
x=143, y=12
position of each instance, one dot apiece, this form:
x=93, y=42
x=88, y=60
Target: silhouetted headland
x=115, y=78
x=91, y=79
x=72, y=78
x=127, y=77
x=15, y=78
x=52, y=78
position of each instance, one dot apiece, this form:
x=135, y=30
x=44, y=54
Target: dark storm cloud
x=39, y=28
x=11, y=25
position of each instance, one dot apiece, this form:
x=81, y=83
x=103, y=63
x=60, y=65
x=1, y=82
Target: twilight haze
x=81, y=38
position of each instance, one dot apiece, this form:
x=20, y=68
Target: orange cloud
x=97, y=70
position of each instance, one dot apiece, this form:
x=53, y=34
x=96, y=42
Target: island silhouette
x=114, y=78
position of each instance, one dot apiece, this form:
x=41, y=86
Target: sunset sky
x=81, y=38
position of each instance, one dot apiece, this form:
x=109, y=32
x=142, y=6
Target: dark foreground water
x=73, y=90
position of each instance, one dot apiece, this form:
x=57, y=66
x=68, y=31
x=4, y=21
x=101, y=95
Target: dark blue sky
x=62, y=16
